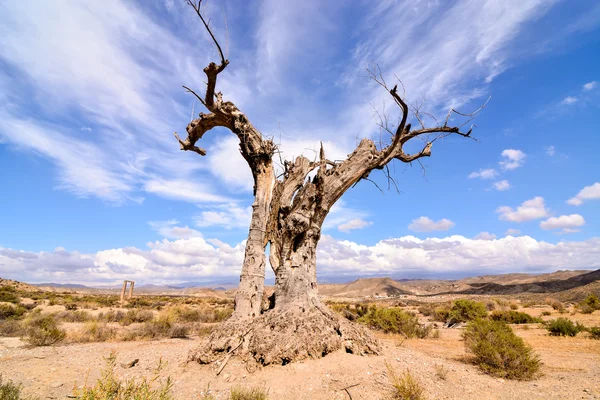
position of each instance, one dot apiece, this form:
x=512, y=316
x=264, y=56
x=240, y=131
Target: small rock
x=56, y=384
x=130, y=364
x=587, y=390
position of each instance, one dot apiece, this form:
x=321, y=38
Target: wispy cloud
x=426, y=224
x=569, y=100
x=590, y=85
x=354, y=224
x=502, y=185
x=489, y=173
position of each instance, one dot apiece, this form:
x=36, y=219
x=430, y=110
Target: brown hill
x=367, y=287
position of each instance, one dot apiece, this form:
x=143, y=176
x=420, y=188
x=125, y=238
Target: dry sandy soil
x=571, y=368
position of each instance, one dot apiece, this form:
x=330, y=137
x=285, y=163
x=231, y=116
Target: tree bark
x=248, y=298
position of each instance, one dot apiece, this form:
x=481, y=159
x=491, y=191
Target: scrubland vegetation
x=47, y=319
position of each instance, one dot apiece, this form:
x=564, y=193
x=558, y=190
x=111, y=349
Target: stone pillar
x=131, y=284
x=123, y=291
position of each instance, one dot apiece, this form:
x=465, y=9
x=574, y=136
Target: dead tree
x=288, y=213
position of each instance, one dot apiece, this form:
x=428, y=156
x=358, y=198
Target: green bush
x=499, y=351
x=514, y=317
x=546, y=313
x=9, y=294
x=563, y=327
x=594, y=332
x=9, y=311
x=395, y=320
x=592, y=301
x=466, y=310
x=42, y=330
x=10, y=390
x=109, y=387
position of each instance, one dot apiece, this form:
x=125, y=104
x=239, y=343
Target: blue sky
x=95, y=189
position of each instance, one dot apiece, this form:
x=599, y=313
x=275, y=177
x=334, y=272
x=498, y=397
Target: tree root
x=282, y=336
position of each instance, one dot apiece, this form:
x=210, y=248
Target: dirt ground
x=571, y=369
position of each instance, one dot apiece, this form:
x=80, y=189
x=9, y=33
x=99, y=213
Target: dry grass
x=109, y=387
x=404, y=386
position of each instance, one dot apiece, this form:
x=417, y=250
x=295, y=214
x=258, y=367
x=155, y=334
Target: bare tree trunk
x=248, y=298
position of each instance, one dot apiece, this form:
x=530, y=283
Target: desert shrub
x=436, y=334
x=9, y=294
x=133, y=316
x=555, y=304
x=94, y=331
x=490, y=305
x=499, y=351
x=112, y=316
x=11, y=328
x=70, y=306
x=178, y=331
x=592, y=301
x=594, y=332
x=110, y=387
x=441, y=371
x=138, y=302
x=546, y=313
x=10, y=390
x=404, y=386
x=563, y=327
x=9, y=311
x=514, y=306
x=240, y=393
x=74, y=316
x=100, y=300
x=395, y=320
x=466, y=310
x=585, y=309
x=350, y=311
x=514, y=317
x=42, y=330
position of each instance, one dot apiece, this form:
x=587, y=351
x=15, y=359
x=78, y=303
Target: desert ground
x=162, y=326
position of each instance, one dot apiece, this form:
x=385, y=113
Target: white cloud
x=563, y=222
x=194, y=192
x=171, y=230
x=502, y=185
x=197, y=259
x=590, y=85
x=456, y=253
x=529, y=210
x=569, y=100
x=485, y=236
x=353, y=224
x=513, y=159
x=591, y=192
x=425, y=224
x=341, y=214
x=550, y=151
x=228, y=216
x=512, y=232
x=484, y=174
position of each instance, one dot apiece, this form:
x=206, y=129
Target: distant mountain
x=62, y=285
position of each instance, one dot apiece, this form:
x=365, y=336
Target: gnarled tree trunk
x=288, y=214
